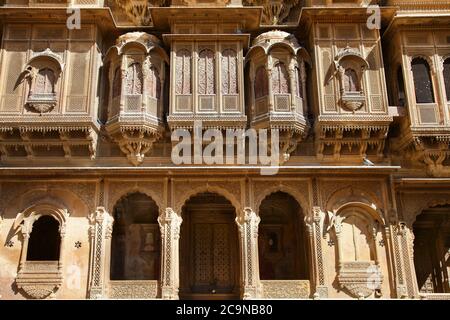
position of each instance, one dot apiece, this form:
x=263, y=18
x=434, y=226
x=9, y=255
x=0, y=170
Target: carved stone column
x=406, y=246
x=314, y=227
x=170, y=223
x=248, y=223
x=101, y=224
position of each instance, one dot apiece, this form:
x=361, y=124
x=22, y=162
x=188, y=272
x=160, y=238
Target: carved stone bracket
x=274, y=12
x=359, y=279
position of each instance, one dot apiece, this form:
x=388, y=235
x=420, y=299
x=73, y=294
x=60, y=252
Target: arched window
x=356, y=242
x=447, y=77
x=401, y=87
x=45, y=82
x=45, y=240
x=229, y=72
x=183, y=72
x=351, y=81
x=206, y=72
x=135, y=248
x=280, y=79
x=154, y=83
x=282, y=242
x=261, y=83
x=117, y=83
x=423, y=85
x=134, y=79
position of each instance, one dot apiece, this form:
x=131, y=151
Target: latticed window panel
x=206, y=72
x=133, y=103
x=230, y=103
x=229, y=72
x=183, y=103
x=134, y=79
x=282, y=102
x=183, y=72
x=280, y=79
x=206, y=103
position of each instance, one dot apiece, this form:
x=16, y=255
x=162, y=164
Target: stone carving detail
x=183, y=74
x=206, y=72
x=275, y=101
x=39, y=279
x=184, y=189
x=274, y=12
x=133, y=289
x=135, y=115
x=248, y=223
x=359, y=273
x=229, y=72
x=285, y=289
x=100, y=222
x=280, y=79
x=170, y=223
x=137, y=10
x=134, y=79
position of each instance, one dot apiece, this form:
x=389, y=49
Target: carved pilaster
x=317, y=253
x=170, y=223
x=101, y=222
x=406, y=244
x=248, y=223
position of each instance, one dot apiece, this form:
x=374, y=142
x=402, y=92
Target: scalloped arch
x=208, y=188
x=350, y=194
x=148, y=192
x=299, y=197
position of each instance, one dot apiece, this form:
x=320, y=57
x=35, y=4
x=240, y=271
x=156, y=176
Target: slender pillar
x=170, y=223
x=248, y=223
x=101, y=222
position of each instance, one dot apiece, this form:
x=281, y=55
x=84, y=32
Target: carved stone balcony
x=42, y=103
x=136, y=74
x=278, y=87
x=359, y=278
x=39, y=279
x=47, y=137
x=353, y=101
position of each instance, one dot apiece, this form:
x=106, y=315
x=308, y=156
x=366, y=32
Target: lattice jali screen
x=133, y=103
x=230, y=103
x=206, y=103
x=15, y=58
x=183, y=103
x=282, y=102
x=76, y=104
x=328, y=87
x=79, y=66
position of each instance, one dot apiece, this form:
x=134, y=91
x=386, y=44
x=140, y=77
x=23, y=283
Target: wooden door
x=210, y=267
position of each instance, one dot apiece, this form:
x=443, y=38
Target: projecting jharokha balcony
x=278, y=87
x=136, y=75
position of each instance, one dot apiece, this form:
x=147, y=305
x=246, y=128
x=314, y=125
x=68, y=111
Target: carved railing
x=285, y=289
